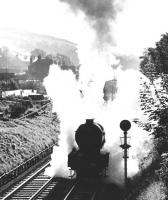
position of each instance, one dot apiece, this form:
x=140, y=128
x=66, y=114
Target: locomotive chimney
x=89, y=121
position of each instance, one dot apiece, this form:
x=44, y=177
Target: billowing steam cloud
x=75, y=101
x=99, y=15
x=73, y=108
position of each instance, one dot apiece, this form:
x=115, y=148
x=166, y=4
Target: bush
x=8, y=85
x=17, y=110
x=163, y=172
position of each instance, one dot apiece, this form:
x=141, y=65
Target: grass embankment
x=22, y=139
x=148, y=184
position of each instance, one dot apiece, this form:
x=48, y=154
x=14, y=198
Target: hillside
x=21, y=43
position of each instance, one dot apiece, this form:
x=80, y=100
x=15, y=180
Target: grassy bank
x=148, y=184
x=22, y=139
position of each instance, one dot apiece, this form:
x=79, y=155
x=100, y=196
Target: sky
x=138, y=25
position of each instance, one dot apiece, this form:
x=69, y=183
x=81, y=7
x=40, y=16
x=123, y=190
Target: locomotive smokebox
x=90, y=137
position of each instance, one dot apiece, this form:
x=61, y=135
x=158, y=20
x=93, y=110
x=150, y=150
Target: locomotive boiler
x=88, y=160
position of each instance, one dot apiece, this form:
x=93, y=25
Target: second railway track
x=32, y=187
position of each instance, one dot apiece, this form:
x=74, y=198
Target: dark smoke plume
x=99, y=13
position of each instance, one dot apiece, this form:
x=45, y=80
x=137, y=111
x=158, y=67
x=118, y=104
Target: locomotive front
x=88, y=160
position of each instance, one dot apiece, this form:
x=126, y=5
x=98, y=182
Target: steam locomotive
x=88, y=160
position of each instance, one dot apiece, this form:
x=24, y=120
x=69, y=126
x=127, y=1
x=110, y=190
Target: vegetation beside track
x=24, y=138
x=152, y=182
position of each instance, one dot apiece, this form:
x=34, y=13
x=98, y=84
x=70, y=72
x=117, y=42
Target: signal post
x=125, y=125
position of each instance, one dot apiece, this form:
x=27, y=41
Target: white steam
x=73, y=108
x=75, y=101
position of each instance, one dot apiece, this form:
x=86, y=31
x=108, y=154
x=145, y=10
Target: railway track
x=83, y=191
x=7, y=179
x=35, y=186
x=38, y=186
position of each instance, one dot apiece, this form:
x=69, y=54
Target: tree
x=154, y=99
x=162, y=49
x=154, y=93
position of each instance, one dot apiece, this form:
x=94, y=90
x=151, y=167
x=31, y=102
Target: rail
x=70, y=191
x=41, y=189
x=26, y=186
x=7, y=177
x=82, y=191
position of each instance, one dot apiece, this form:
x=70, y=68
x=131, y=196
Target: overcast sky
x=139, y=24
